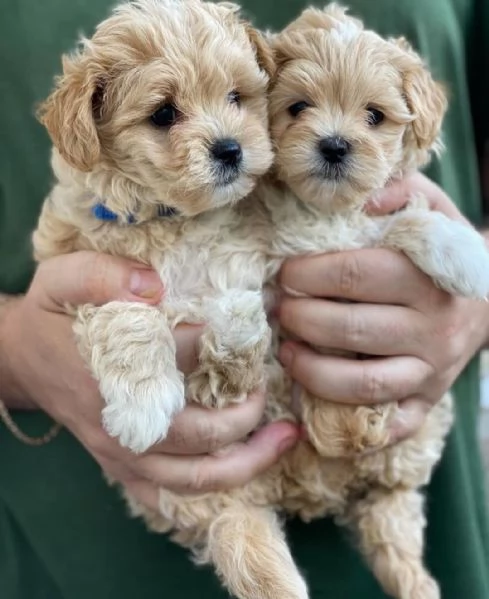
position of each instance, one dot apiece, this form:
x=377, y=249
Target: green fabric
x=63, y=533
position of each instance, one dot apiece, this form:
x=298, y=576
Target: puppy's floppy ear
x=425, y=97
x=69, y=112
x=263, y=50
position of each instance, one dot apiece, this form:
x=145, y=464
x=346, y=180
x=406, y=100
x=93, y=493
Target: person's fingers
x=361, y=328
x=93, y=278
x=197, y=430
x=145, y=493
x=409, y=419
x=233, y=468
x=394, y=196
x=367, y=275
x=345, y=380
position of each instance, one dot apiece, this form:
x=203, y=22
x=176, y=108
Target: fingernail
x=375, y=199
x=286, y=355
x=145, y=284
x=287, y=443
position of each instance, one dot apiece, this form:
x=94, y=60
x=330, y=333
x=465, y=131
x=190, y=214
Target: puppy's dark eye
x=165, y=116
x=374, y=116
x=297, y=108
x=234, y=97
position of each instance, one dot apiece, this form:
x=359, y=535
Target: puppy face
x=165, y=104
x=348, y=109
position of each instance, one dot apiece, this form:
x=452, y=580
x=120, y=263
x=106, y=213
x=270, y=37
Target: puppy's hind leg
x=247, y=546
x=390, y=526
x=130, y=350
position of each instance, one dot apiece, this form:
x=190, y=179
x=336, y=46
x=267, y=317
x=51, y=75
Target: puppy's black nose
x=334, y=149
x=227, y=151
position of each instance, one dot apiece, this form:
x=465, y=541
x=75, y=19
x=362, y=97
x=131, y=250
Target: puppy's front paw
x=140, y=413
x=453, y=254
x=425, y=588
x=131, y=353
x=459, y=260
x=233, y=349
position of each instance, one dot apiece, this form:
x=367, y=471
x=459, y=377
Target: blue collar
x=101, y=212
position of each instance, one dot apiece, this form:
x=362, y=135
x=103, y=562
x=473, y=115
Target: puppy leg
x=245, y=544
x=131, y=352
x=390, y=525
x=233, y=347
x=248, y=548
x=338, y=431
x=453, y=254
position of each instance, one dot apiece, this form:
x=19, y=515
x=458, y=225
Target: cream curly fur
x=341, y=71
x=216, y=255
x=147, y=54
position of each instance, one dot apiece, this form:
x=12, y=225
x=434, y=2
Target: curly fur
x=146, y=54
x=216, y=255
x=347, y=468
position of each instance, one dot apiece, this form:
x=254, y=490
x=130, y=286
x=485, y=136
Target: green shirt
x=63, y=532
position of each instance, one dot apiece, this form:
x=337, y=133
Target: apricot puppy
x=159, y=124
x=350, y=111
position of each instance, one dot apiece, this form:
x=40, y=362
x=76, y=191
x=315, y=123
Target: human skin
x=421, y=337
x=40, y=368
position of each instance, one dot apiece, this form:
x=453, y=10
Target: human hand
x=419, y=338
x=39, y=361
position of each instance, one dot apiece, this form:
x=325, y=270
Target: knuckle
x=208, y=435
x=354, y=326
x=350, y=274
x=373, y=384
x=204, y=479
x=451, y=336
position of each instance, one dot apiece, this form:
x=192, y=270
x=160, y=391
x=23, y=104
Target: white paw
x=456, y=258
x=424, y=589
x=139, y=414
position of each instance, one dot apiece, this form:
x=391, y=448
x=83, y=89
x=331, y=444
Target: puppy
x=160, y=127
x=349, y=112
x=159, y=124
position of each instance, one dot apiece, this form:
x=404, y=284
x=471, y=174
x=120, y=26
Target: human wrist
x=11, y=393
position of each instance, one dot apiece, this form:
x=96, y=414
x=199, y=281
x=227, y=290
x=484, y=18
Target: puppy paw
x=461, y=259
x=343, y=431
x=131, y=353
x=233, y=348
x=425, y=588
x=237, y=320
x=139, y=414
x=369, y=429
x=452, y=253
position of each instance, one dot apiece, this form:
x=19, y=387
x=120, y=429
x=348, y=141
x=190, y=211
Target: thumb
x=242, y=462
x=93, y=278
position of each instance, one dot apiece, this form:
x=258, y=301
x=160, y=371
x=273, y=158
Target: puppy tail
x=248, y=549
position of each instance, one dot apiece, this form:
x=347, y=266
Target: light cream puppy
x=160, y=127
x=350, y=111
